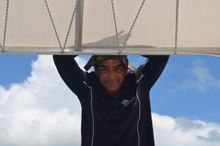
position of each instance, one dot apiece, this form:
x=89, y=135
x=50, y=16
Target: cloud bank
x=42, y=111
x=171, y=131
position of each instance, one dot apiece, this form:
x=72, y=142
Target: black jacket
x=106, y=121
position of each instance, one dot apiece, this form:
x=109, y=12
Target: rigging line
x=177, y=26
x=116, y=27
x=0, y=45
x=134, y=22
x=71, y=22
x=54, y=27
x=5, y=29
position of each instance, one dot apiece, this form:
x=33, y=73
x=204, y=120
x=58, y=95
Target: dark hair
x=96, y=59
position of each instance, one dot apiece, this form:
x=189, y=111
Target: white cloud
x=42, y=111
x=181, y=132
x=199, y=78
x=40, y=127
x=202, y=77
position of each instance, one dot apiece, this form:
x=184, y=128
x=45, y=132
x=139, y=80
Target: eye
x=119, y=69
x=103, y=69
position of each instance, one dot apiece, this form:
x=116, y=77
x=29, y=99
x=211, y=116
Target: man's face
x=111, y=74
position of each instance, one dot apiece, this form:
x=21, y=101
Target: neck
x=114, y=94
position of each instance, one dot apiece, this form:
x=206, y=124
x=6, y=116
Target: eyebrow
x=105, y=66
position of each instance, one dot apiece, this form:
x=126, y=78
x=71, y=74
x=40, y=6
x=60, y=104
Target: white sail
x=103, y=26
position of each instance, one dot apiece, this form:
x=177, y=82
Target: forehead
x=111, y=63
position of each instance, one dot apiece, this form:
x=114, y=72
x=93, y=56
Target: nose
x=111, y=74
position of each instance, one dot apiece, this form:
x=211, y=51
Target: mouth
x=113, y=83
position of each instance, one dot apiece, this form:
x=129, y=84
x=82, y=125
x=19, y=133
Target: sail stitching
x=54, y=27
x=5, y=27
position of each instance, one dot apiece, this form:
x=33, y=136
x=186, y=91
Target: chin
x=113, y=90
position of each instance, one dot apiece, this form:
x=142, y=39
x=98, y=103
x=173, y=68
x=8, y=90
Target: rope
x=116, y=28
x=134, y=22
x=54, y=27
x=5, y=29
x=177, y=26
x=131, y=28
x=71, y=22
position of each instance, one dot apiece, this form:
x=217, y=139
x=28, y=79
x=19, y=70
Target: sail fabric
x=156, y=26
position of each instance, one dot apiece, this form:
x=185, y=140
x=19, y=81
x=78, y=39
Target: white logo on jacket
x=126, y=102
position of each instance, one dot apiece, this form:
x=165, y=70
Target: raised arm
x=70, y=72
x=153, y=68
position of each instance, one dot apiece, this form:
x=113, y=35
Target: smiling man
x=111, y=71
x=115, y=102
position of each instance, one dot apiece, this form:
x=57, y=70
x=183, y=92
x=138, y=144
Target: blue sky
x=189, y=87
x=167, y=96
x=187, y=94
x=15, y=68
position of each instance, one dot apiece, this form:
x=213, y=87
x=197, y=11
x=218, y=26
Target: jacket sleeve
x=70, y=72
x=153, y=68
